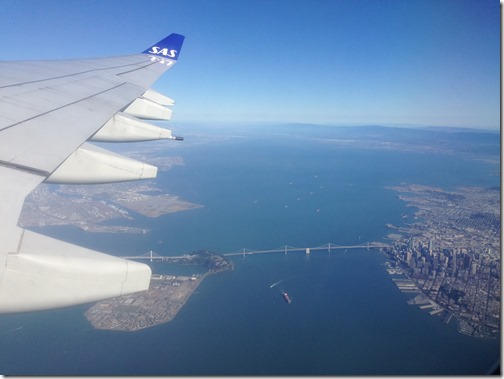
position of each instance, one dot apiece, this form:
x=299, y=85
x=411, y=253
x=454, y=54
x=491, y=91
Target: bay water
x=346, y=318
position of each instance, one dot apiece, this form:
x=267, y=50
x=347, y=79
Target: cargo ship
x=286, y=297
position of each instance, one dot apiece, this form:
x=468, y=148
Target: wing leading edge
x=48, y=110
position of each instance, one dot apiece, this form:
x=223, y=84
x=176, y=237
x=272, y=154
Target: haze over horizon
x=324, y=62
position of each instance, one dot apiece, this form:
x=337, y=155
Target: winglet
x=168, y=48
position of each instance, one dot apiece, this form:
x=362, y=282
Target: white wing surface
x=48, y=112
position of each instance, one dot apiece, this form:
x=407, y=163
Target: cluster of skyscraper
x=423, y=260
x=463, y=281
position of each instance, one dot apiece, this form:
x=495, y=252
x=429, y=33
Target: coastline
x=159, y=304
x=166, y=296
x=450, y=254
x=88, y=208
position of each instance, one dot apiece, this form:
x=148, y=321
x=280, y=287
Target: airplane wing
x=49, y=113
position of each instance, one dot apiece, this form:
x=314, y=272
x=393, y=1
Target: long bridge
x=152, y=256
x=287, y=249
x=283, y=249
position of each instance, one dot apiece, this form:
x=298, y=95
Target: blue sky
x=428, y=62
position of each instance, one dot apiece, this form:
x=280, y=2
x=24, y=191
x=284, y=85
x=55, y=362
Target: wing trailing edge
x=125, y=128
x=61, y=106
x=147, y=109
x=90, y=164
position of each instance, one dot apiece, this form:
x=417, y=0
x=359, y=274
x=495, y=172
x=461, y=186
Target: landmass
x=450, y=255
x=88, y=207
x=449, y=252
x=165, y=297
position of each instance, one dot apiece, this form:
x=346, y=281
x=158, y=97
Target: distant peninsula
x=87, y=207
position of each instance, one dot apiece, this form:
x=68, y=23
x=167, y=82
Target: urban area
x=165, y=297
x=87, y=207
x=450, y=253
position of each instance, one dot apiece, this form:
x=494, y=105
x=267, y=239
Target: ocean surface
x=261, y=189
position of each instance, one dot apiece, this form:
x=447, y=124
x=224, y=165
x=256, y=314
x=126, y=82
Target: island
x=450, y=255
x=165, y=297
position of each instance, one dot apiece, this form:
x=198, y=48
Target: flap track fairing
x=90, y=164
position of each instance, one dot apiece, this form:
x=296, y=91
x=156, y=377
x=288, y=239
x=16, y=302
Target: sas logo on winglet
x=168, y=48
x=165, y=52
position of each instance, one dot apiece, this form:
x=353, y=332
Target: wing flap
x=148, y=109
x=125, y=128
x=90, y=164
x=158, y=98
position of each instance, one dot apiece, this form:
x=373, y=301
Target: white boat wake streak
x=281, y=281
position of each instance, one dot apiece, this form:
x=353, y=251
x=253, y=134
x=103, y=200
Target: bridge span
x=287, y=249
x=152, y=256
